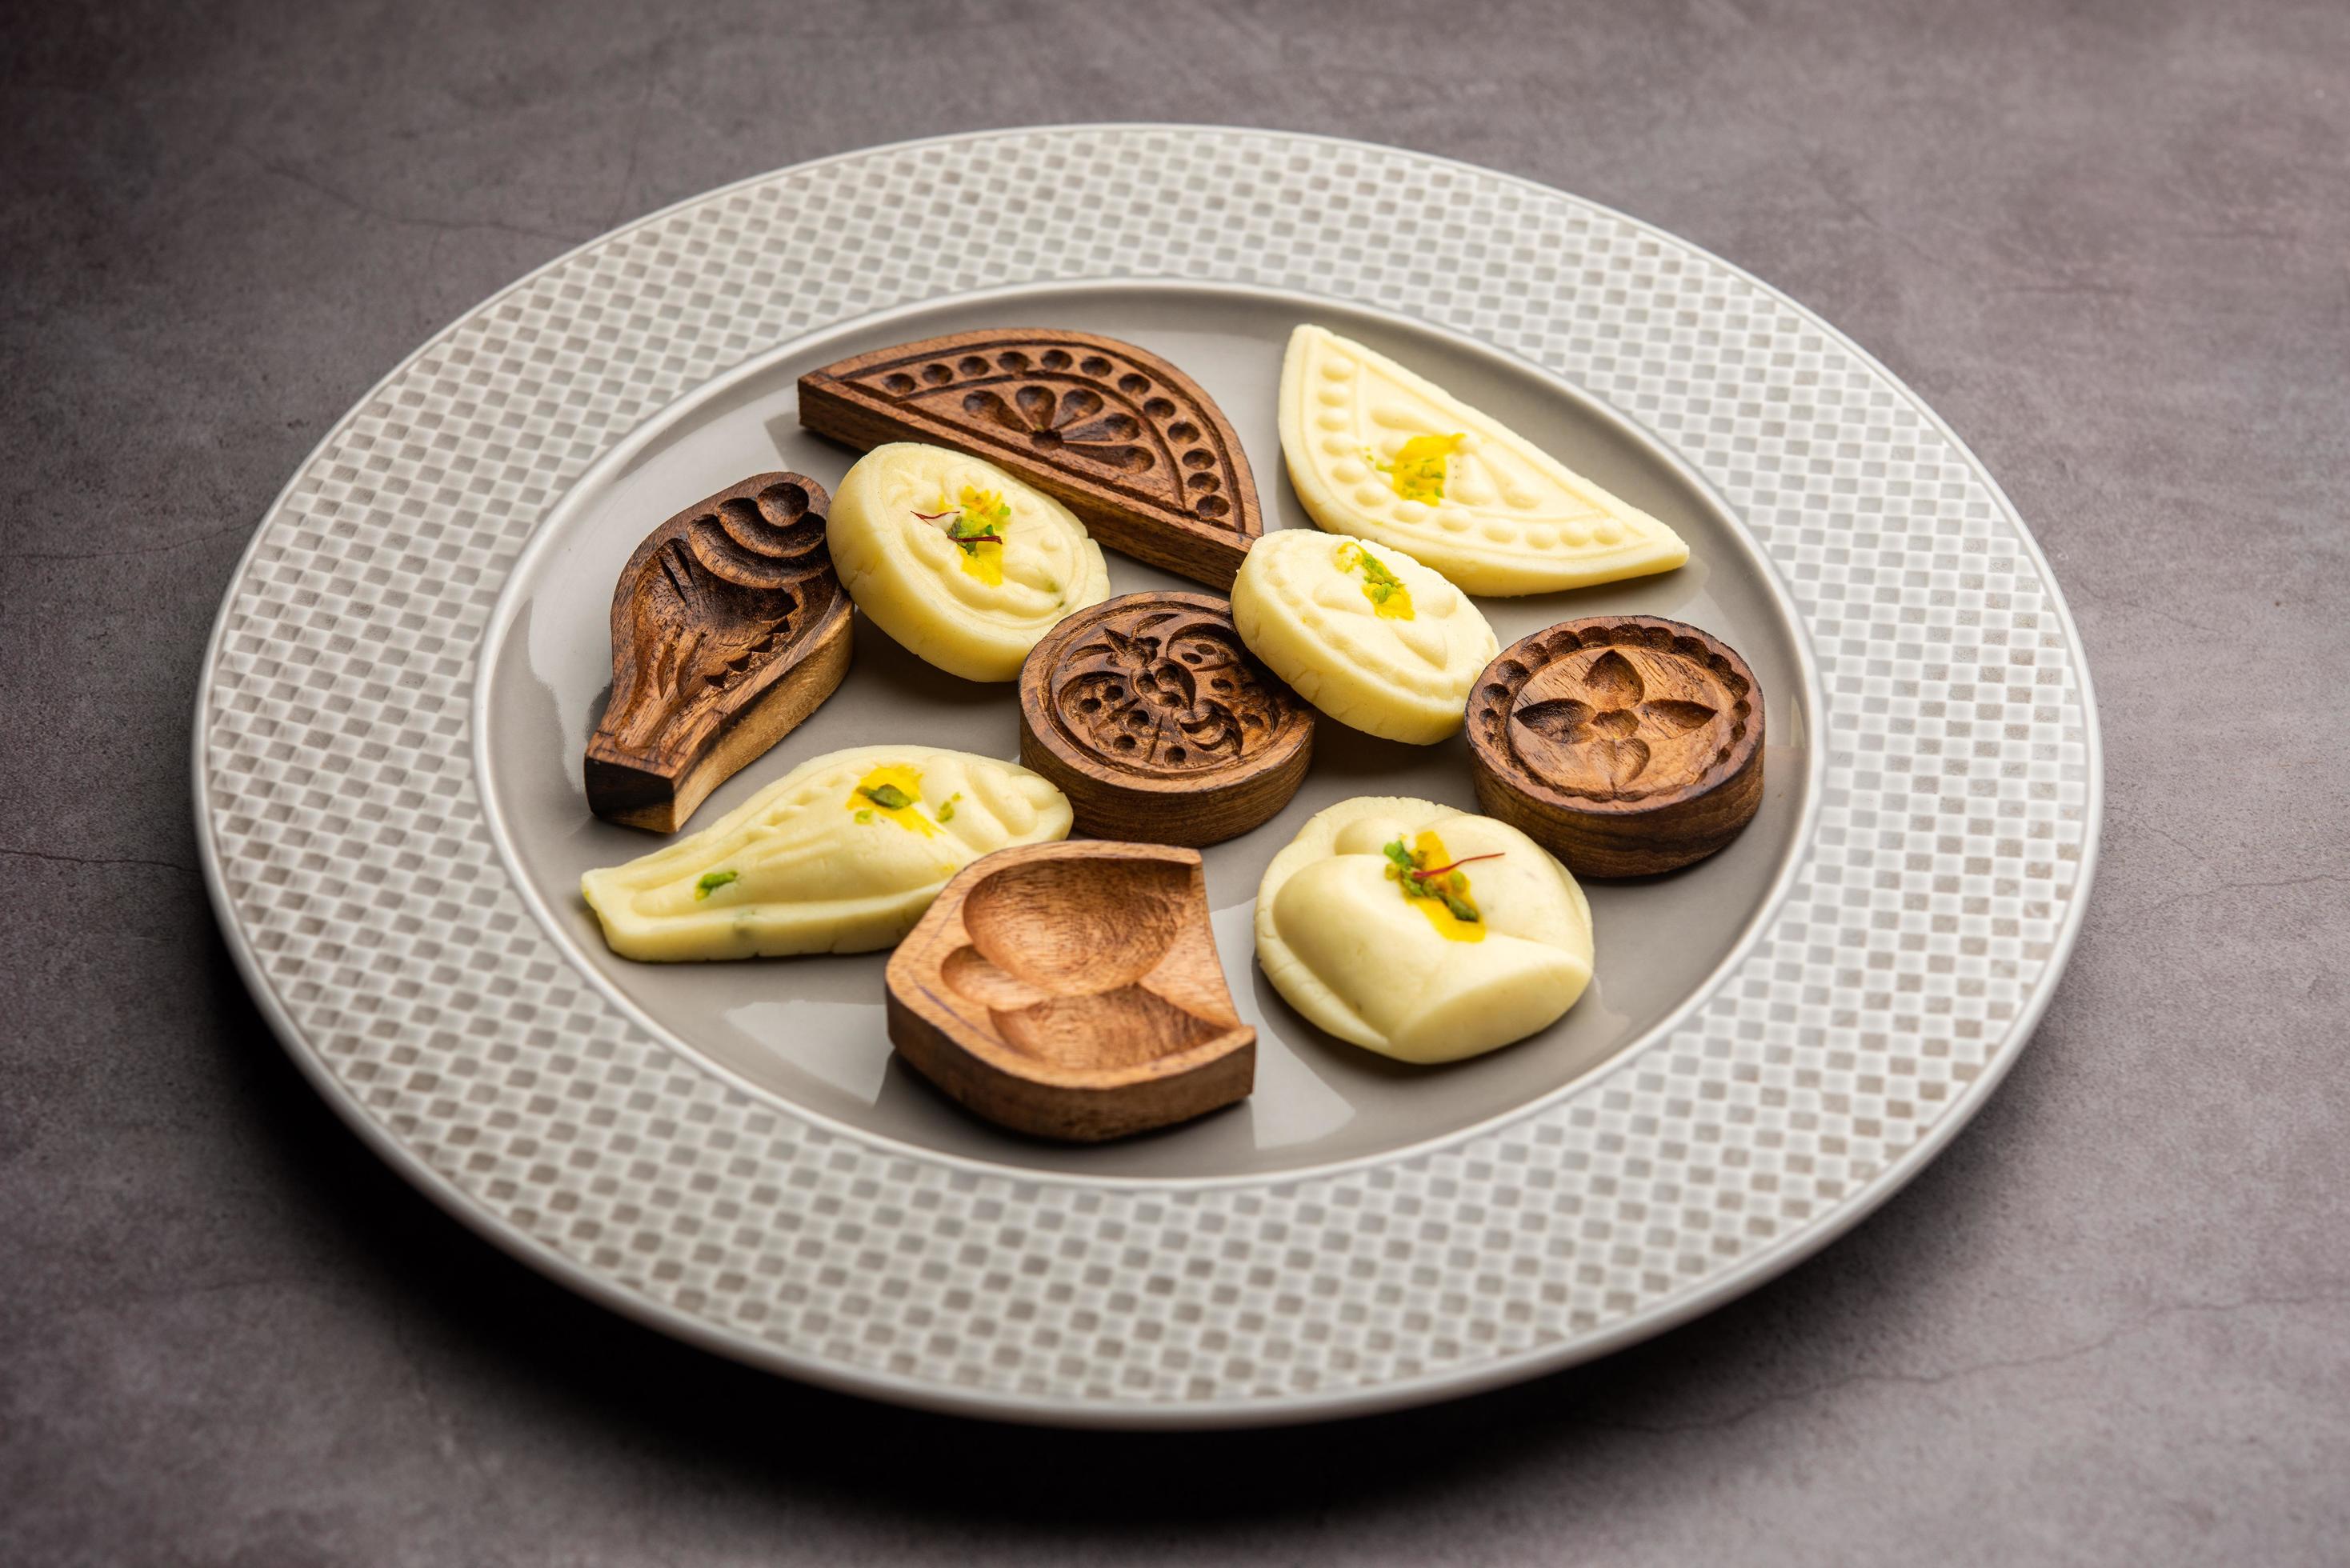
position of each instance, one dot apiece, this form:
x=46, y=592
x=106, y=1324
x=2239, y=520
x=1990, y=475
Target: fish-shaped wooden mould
x=728, y=627
x=1117, y=434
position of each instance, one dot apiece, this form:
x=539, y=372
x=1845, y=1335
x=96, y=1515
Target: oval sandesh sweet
x=1370, y=637
x=961, y=563
x=1158, y=724
x=1625, y=744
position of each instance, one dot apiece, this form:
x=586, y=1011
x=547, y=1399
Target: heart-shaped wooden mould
x=1071, y=991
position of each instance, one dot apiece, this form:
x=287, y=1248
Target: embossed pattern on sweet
x=1367, y=634
x=1071, y=991
x=1124, y=439
x=840, y=855
x=1374, y=450
x=961, y=562
x=728, y=627
x=1422, y=932
x=1158, y=724
x=1628, y=745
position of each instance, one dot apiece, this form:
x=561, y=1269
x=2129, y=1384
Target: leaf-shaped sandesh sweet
x=1613, y=682
x=1670, y=717
x=1555, y=720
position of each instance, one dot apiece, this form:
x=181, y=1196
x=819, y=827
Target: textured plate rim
x=1755, y=1269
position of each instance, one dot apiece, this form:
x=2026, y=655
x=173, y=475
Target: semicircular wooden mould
x=1071, y=991
x=1115, y=433
x=1623, y=744
x=1157, y=724
x=728, y=627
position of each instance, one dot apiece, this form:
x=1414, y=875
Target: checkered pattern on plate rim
x=357, y=866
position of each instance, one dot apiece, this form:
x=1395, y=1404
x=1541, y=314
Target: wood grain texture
x=1071, y=991
x=728, y=627
x=1120, y=436
x=1625, y=744
x=1159, y=725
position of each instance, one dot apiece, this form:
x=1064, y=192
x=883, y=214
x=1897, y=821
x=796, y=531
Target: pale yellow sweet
x=974, y=612
x=1363, y=632
x=1380, y=452
x=1340, y=940
x=815, y=863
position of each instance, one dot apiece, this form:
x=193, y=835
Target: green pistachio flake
x=1452, y=888
x=946, y=809
x=1383, y=583
x=711, y=881
x=888, y=796
x=865, y=815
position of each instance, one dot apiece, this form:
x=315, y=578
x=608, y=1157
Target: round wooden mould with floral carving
x=1159, y=725
x=1625, y=744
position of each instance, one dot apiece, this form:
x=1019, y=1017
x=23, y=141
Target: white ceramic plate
x=413, y=652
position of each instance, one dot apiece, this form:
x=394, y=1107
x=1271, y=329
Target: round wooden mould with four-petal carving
x=1157, y=724
x=1625, y=744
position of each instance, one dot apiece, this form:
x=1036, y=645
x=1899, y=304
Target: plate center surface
x=809, y=1031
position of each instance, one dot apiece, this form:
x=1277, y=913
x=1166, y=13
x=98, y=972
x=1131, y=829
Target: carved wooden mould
x=1625, y=744
x=1157, y=724
x=1123, y=438
x=1071, y=991
x=728, y=627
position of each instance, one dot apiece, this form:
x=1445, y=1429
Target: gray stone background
x=2110, y=242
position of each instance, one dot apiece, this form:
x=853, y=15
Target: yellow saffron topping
x=981, y=521
x=894, y=793
x=1417, y=473
x=1390, y=600
x=1444, y=898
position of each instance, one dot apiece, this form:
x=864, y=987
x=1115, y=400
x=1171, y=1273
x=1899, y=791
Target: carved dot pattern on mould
x=354, y=858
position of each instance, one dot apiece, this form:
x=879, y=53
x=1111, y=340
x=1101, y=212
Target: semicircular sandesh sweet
x=1115, y=433
x=1367, y=634
x=840, y=855
x=1626, y=744
x=961, y=562
x=1160, y=725
x=1421, y=932
x=1376, y=451
x=728, y=627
